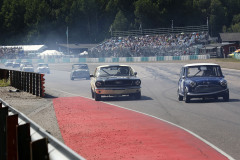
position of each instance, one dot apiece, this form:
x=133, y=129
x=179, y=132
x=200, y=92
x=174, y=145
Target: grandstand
x=153, y=42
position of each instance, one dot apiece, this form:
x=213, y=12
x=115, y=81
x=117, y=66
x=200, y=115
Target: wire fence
x=159, y=31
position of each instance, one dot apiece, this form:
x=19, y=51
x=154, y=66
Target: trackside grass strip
x=4, y=83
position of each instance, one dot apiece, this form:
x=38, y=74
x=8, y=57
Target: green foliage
x=45, y=21
x=4, y=83
x=120, y=23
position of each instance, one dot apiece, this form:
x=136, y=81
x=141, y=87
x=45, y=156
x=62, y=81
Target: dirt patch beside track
x=38, y=109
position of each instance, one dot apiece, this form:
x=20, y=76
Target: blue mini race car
x=202, y=80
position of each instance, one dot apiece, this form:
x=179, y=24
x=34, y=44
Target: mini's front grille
x=208, y=88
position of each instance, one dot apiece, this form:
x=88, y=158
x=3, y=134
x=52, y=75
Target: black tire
x=97, y=97
x=187, y=98
x=138, y=95
x=180, y=98
x=92, y=93
x=226, y=97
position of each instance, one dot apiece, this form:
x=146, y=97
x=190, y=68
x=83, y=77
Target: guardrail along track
x=25, y=81
x=22, y=139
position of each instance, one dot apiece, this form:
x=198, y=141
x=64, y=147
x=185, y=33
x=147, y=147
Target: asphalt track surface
x=215, y=121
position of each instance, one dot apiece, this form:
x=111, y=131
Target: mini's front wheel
x=187, y=98
x=180, y=98
x=226, y=97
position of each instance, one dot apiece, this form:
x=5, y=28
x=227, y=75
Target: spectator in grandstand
x=10, y=52
x=148, y=45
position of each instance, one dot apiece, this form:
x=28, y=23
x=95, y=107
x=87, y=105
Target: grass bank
x=4, y=83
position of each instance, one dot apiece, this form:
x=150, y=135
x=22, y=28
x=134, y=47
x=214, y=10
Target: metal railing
x=26, y=81
x=159, y=31
x=23, y=139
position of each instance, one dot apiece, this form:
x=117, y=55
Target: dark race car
x=80, y=71
x=115, y=80
x=43, y=68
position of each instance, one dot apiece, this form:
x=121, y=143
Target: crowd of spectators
x=11, y=52
x=150, y=45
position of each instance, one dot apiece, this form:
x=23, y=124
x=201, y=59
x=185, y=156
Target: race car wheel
x=187, y=98
x=138, y=95
x=226, y=97
x=180, y=98
x=92, y=93
x=97, y=97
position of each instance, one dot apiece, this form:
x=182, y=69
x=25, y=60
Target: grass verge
x=4, y=83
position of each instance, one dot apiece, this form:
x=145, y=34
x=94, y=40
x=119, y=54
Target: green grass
x=227, y=60
x=4, y=83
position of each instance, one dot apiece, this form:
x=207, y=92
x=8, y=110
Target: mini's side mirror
x=135, y=73
x=183, y=77
x=91, y=75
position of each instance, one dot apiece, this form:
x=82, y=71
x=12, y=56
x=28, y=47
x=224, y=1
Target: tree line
x=90, y=21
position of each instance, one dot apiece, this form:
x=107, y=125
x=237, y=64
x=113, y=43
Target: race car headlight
x=99, y=84
x=223, y=83
x=137, y=82
x=192, y=84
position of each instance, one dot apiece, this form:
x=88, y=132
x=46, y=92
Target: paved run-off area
x=98, y=130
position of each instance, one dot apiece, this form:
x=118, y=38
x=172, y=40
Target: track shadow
x=124, y=98
x=49, y=96
x=212, y=100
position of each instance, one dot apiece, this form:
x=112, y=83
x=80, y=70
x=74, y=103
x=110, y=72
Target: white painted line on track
x=192, y=133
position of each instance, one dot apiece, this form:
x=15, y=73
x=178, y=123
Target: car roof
x=201, y=64
x=80, y=64
x=115, y=65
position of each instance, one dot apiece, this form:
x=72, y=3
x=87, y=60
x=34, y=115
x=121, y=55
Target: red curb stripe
x=98, y=130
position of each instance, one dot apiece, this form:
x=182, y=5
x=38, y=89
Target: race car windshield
x=115, y=71
x=204, y=71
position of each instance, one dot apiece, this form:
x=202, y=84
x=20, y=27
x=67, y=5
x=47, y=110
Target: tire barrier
x=116, y=59
x=26, y=81
x=22, y=139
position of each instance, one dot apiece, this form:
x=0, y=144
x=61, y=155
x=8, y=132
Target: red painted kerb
x=100, y=131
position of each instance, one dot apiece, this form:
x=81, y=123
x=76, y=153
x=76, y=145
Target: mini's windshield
x=115, y=71
x=204, y=71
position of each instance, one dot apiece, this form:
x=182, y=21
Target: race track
x=217, y=122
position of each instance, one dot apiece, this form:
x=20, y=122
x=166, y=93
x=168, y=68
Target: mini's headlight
x=137, y=82
x=223, y=83
x=98, y=84
x=192, y=83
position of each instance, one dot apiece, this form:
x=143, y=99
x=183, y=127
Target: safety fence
x=26, y=81
x=22, y=139
x=117, y=59
x=159, y=31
